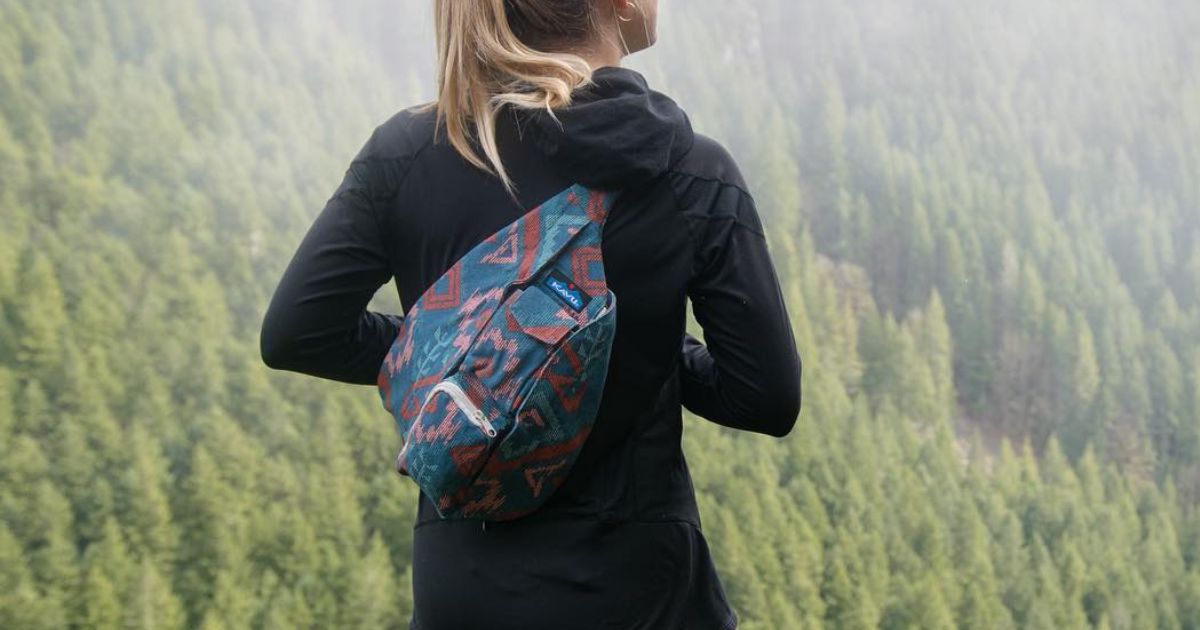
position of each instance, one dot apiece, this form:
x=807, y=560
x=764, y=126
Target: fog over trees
x=986, y=217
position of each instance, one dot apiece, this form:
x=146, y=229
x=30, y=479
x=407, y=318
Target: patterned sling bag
x=496, y=375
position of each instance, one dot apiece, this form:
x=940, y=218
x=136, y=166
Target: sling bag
x=496, y=375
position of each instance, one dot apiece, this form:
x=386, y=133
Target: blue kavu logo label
x=565, y=290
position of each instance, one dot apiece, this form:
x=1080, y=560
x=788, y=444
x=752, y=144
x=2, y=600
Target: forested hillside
x=986, y=216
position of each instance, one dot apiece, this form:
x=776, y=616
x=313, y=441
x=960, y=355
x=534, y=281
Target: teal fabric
x=496, y=375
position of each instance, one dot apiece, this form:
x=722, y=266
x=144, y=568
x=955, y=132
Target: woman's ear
x=637, y=23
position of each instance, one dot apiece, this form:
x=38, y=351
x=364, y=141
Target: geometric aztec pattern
x=496, y=375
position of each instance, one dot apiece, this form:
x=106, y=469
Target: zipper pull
x=483, y=423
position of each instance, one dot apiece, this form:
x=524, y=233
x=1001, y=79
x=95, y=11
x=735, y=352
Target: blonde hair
x=487, y=58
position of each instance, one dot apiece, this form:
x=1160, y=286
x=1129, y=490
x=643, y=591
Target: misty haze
x=986, y=220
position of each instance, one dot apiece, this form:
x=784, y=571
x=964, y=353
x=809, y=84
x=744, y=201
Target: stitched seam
x=749, y=200
x=411, y=158
x=380, y=223
x=724, y=247
x=737, y=221
x=677, y=171
x=691, y=232
x=749, y=197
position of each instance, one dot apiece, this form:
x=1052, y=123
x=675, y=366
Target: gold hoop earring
x=628, y=19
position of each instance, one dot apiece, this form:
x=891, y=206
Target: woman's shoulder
x=402, y=135
x=710, y=161
x=384, y=159
x=709, y=186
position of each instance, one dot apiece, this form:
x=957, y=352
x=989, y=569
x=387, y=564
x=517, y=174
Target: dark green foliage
x=985, y=217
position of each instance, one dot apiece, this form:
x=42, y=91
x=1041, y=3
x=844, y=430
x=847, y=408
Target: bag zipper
x=473, y=413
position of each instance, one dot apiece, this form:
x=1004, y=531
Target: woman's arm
x=317, y=322
x=748, y=375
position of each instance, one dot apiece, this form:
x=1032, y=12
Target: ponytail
x=483, y=64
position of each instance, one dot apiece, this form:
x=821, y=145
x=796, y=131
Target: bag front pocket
x=556, y=415
x=525, y=330
x=565, y=393
x=450, y=440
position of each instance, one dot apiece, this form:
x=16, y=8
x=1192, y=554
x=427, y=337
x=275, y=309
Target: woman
x=619, y=544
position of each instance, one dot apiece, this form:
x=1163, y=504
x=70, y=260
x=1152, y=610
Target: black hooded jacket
x=619, y=544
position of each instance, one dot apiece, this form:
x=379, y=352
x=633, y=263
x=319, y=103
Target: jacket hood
x=617, y=132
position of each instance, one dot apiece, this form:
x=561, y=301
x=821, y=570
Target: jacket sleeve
x=317, y=322
x=746, y=374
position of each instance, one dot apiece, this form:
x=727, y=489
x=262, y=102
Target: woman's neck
x=600, y=55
